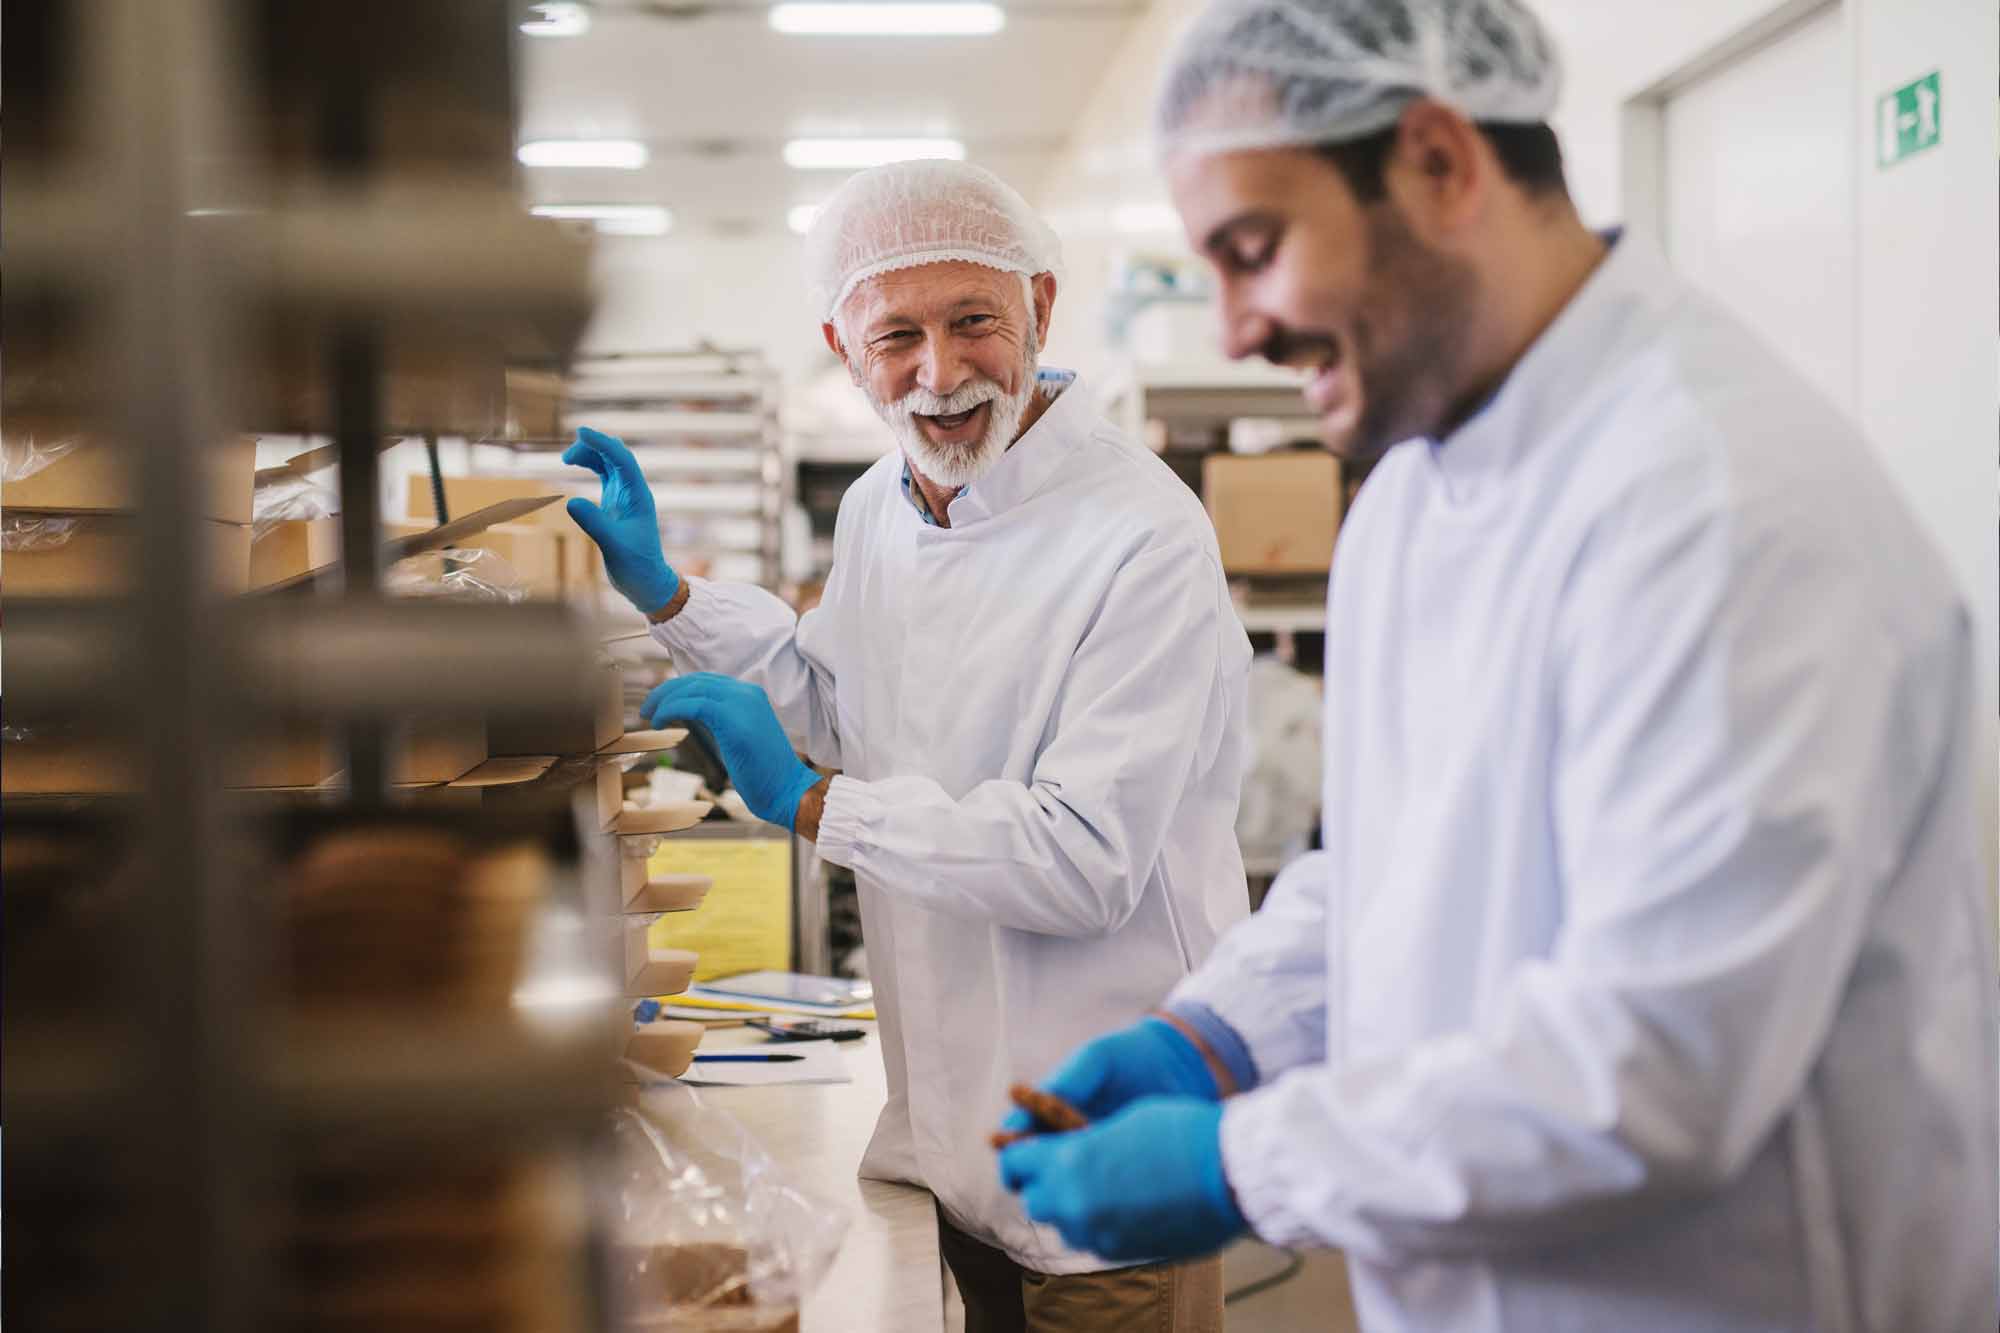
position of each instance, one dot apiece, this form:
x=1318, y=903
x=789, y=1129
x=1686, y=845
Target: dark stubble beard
x=1411, y=337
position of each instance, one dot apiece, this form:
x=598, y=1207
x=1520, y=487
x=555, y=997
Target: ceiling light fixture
x=616, y=154
x=613, y=219
x=859, y=154
x=557, y=18
x=889, y=20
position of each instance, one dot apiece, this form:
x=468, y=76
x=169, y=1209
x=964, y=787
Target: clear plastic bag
x=287, y=499
x=640, y=846
x=456, y=574
x=35, y=532
x=707, y=1234
x=23, y=455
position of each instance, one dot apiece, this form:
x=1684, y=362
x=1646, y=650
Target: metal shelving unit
x=149, y=240
x=704, y=426
x=1195, y=402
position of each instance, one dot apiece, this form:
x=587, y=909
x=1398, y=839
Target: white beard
x=954, y=466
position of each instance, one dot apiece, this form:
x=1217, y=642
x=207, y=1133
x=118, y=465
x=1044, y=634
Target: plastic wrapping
x=23, y=455
x=286, y=500
x=706, y=1231
x=456, y=574
x=640, y=847
x=35, y=532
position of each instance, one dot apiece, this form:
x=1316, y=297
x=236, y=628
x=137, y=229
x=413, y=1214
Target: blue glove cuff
x=1224, y=1040
x=650, y=589
x=804, y=782
x=1191, y=1071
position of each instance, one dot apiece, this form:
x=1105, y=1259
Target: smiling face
x=1311, y=277
x=946, y=354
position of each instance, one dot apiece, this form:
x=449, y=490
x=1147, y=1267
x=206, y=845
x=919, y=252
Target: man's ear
x=1045, y=304
x=834, y=345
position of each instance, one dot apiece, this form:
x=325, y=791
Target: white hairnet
x=924, y=212
x=1273, y=73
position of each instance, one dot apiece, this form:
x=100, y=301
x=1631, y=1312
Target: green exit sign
x=1907, y=120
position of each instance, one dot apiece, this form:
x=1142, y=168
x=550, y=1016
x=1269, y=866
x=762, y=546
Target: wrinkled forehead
x=929, y=292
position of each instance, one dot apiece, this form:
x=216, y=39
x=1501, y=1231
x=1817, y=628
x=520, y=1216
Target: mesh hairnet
x=1273, y=73
x=925, y=212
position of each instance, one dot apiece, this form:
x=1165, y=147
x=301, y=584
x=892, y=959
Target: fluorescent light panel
x=613, y=219
x=859, y=154
x=889, y=20
x=616, y=154
x=557, y=18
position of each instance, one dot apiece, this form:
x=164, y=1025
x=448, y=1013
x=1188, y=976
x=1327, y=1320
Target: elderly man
x=1646, y=981
x=1027, y=670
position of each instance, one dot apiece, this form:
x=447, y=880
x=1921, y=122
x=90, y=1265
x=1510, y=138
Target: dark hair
x=1529, y=154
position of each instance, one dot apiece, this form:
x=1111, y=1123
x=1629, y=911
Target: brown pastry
x=1052, y=1115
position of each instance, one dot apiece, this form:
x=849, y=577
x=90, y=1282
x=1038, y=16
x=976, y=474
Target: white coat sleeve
x=741, y=630
x=744, y=631
x=1744, y=749
x=1069, y=852
x=1267, y=978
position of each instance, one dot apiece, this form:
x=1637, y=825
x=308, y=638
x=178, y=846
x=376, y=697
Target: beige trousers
x=1002, y=1297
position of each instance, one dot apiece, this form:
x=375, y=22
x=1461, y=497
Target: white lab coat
x=1647, y=983
x=1038, y=714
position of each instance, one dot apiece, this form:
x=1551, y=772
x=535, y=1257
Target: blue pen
x=745, y=1057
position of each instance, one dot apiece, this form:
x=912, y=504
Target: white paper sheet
x=823, y=1063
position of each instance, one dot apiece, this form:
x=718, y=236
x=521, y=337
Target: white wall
x=664, y=293
x=1930, y=359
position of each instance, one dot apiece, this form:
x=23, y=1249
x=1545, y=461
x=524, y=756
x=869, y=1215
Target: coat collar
x=1625, y=293
x=1028, y=464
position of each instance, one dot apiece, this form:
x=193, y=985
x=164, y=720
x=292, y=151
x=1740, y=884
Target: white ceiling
x=715, y=95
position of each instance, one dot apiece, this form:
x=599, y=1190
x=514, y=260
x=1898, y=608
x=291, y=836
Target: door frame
x=1643, y=122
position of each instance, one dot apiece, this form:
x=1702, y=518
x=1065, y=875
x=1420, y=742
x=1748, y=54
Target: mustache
x=922, y=402
x=1285, y=347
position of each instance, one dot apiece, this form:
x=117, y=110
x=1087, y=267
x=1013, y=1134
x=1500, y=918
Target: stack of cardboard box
x=69, y=508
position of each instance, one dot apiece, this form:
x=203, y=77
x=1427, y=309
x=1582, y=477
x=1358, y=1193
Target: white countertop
x=887, y=1277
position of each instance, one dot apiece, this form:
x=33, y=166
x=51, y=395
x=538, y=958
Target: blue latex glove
x=624, y=525
x=737, y=719
x=1149, y=1059
x=1145, y=1184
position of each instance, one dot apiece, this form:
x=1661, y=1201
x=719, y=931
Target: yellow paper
x=745, y=923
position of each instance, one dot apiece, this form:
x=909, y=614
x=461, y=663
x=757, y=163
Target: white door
x=1759, y=206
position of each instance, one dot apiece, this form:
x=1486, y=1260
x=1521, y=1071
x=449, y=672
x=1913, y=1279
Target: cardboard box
x=457, y=388
x=579, y=736
x=650, y=971
x=669, y=818
x=107, y=762
x=97, y=476
x=667, y=893
x=97, y=555
x=665, y=1046
x=439, y=750
x=1273, y=513
x=534, y=553
x=465, y=495
x=298, y=755
x=583, y=567
x=420, y=540
x=293, y=547
x=534, y=405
